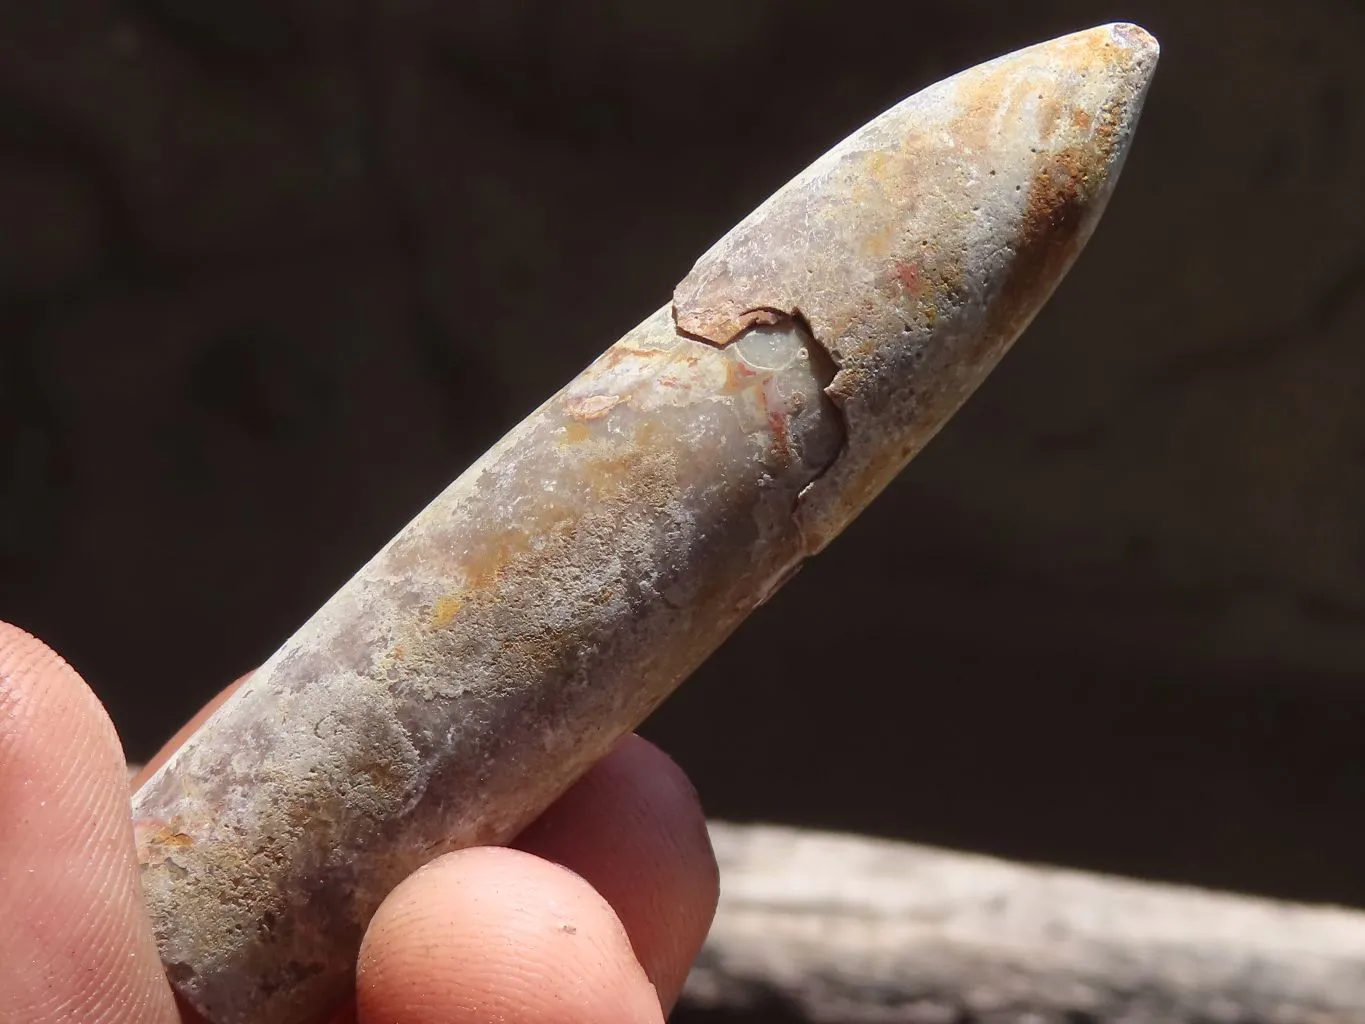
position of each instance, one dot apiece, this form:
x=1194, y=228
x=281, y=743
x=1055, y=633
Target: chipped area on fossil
x=695, y=448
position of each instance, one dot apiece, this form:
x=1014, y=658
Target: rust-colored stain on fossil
x=442, y=615
x=911, y=277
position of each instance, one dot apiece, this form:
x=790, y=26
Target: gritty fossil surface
x=565, y=584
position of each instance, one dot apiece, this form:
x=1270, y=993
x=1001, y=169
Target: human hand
x=595, y=916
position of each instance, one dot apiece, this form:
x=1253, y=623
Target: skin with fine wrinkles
x=75, y=944
x=564, y=585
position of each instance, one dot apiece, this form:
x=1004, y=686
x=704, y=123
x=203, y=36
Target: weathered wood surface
x=850, y=929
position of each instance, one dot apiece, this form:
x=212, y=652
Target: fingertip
x=76, y=943
x=499, y=934
x=634, y=828
x=38, y=691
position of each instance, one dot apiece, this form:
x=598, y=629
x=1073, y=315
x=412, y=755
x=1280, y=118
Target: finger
x=633, y=828
x=76, y=945
x=173, y=744
x=498, y=934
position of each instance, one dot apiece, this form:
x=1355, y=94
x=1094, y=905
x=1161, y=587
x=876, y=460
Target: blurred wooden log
x=846, y=929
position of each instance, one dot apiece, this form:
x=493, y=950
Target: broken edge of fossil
x=922, y=246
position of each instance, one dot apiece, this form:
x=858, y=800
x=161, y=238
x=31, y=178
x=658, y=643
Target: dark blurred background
x=272, y=273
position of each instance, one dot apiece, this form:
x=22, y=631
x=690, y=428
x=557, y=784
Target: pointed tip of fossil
x=1094, y=69
x=1125, y=33
x=1132, y=46
x=1125, y=56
